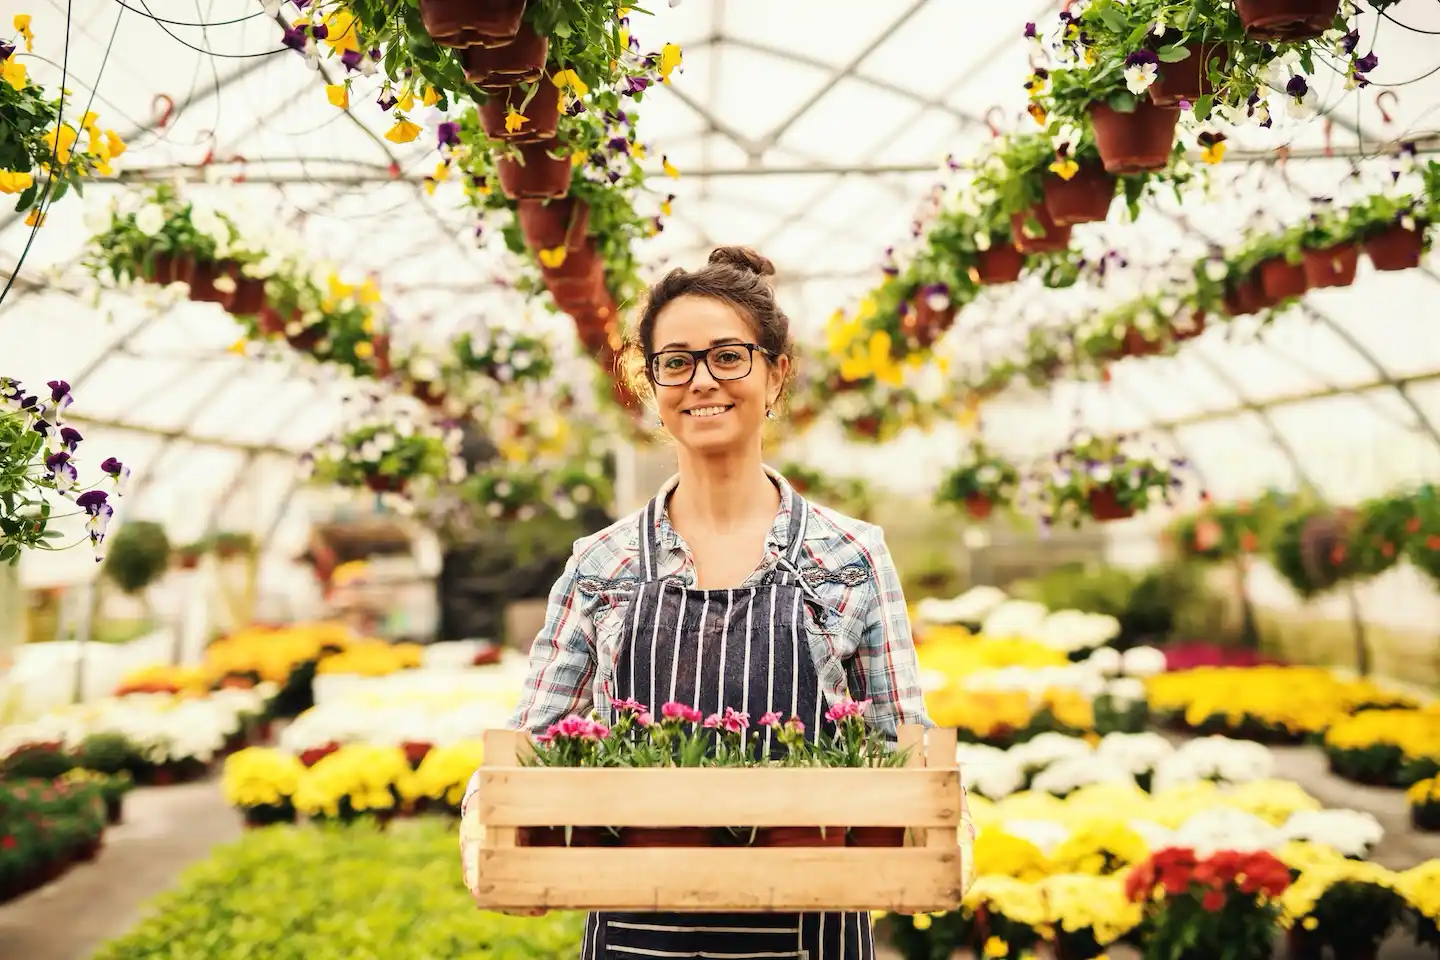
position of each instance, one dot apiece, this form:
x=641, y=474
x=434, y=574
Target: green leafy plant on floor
x=337, y=893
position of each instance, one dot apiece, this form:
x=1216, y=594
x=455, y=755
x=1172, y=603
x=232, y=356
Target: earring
x=769, y=414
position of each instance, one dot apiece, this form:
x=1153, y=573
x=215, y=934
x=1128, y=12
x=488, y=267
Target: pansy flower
x=1302, y=97
x=1212, y=146
x=1141, y=68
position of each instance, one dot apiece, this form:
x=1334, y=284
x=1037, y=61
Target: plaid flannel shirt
x=870, y=654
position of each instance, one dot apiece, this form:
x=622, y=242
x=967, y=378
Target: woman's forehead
x=696, y=322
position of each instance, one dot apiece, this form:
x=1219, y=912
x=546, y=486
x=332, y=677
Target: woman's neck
x=719, y=496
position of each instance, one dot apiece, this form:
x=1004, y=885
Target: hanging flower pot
x=468, y=23
x=1189, y=79
x=1281, y=280
x=202, y=284
x=1190, y=331
x=165, y=269
x=306, y=339
x=1049, y=238
x=1105, y=505
x=558, y=223
x=1084, y=198
x=1135, y=142
x=1135, y=344
x=430, y=394
x=1395, y=249
x=578, y=292
x=1334, y=267
x=1287, y=20
x=381, y=345
x=249, y=295
x=270, y=322
x=931, y=312
x=1002, y=263
x=522, y=60
x=535, y=174
x=383, y=483
x=1244, y=297
x=578, y=262
x=978, y=507
x=536, y=120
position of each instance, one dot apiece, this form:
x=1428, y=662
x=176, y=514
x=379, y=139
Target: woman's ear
x=779, y=371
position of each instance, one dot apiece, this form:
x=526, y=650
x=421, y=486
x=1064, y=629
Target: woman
x=806, y=610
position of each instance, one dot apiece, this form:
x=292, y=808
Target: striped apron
x=745, y=648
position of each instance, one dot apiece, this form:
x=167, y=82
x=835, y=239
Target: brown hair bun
x=743, y=258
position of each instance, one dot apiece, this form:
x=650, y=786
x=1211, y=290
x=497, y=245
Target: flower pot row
x=209, y=282
x=787, y=837
x=1276, y=280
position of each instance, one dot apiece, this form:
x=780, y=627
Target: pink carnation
x=735, y=721
x=644, y=719
x=571, y=727
x=771, y=719
x=846, y=709
x=712, y=721
x=794, y=725
x=629, y=706
x=680, y=711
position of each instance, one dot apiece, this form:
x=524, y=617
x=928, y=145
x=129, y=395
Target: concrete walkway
x=168, y=828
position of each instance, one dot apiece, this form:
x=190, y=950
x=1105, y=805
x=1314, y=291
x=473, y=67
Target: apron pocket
x=702, y=936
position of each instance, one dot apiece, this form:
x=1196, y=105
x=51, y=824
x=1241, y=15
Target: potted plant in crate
x=1096, y=477
x=854, y=744
x=979, y=482
x=1200, y=908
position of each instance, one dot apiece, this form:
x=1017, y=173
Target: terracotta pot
x=547, y=225
x=1134, y=344
x=1395, y=249
x=1334, y=267
x=270, y=321
x=522, y=60
x=979, y=508
x=579, y=294
x=925, y=323
x=202, y=284
x=579, y=264
x=1286, y=19
x=1002, y=263
x=1055, y=238
x=1281, y=280
x=1190, y=78
x=542, y=113
x=799, y=837
x=381, y=344
x=468, y=23
x=1196, y=327
x=1243, y=298
x=1135, y=142
x=306, y=339
x=876, y=837
x=380, y=483
x=249, y=296
x=536, y=175
x=166, y=269
x=427, y=393
x=1104, y=506
x=667, y=837
x=1084, y=198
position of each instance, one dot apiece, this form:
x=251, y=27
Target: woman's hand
x=472, y=838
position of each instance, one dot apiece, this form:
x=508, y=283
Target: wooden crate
x=924, y=876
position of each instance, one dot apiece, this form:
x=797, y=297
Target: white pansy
x=1139, y=77
x=150, y=220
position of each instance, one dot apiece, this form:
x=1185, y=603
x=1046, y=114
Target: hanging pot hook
x=990, y=122
x=1380, y=104
x=164, y=108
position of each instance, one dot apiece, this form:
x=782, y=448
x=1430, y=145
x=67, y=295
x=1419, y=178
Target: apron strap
x=648, y=547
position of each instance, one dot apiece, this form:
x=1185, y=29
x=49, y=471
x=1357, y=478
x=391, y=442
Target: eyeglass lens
x=726, y=362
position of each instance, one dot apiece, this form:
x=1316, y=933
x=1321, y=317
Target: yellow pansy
x=364, y=350
x=13, y=73
x=514, y=120
x=554, y=257
x=637, y=150
x=670, y=57
x=61, y=143
x=578, y=158
x=114, y=144
x=15, y=181
x=35, y=219
x=22, y=24
x=338, y=94
x=238, y=347
x=343, y=32
x=1037, y=111
x=1065, y=167
x=1214, y=152
x=431, y=97
x=87, y=123
x=406, y=101
x=570, y=80
x=665, y=208
x=367, y=292
x=669, y=168
x=403, y=132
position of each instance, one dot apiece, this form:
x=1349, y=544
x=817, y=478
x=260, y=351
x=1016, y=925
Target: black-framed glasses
x=727, y=361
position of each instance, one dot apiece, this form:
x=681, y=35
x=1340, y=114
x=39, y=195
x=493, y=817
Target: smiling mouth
x=707, y=412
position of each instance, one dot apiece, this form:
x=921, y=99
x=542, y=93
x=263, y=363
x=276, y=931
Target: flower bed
x=337, y=892
x=45, y=827
x=1270, y=704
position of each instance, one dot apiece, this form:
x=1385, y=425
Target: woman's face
x=709, y=415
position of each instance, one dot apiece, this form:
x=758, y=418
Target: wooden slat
x=502, y=749
x=719, y=797
x=940, y=755
x=901, y=880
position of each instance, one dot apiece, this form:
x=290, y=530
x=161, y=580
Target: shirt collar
x=776, y=542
